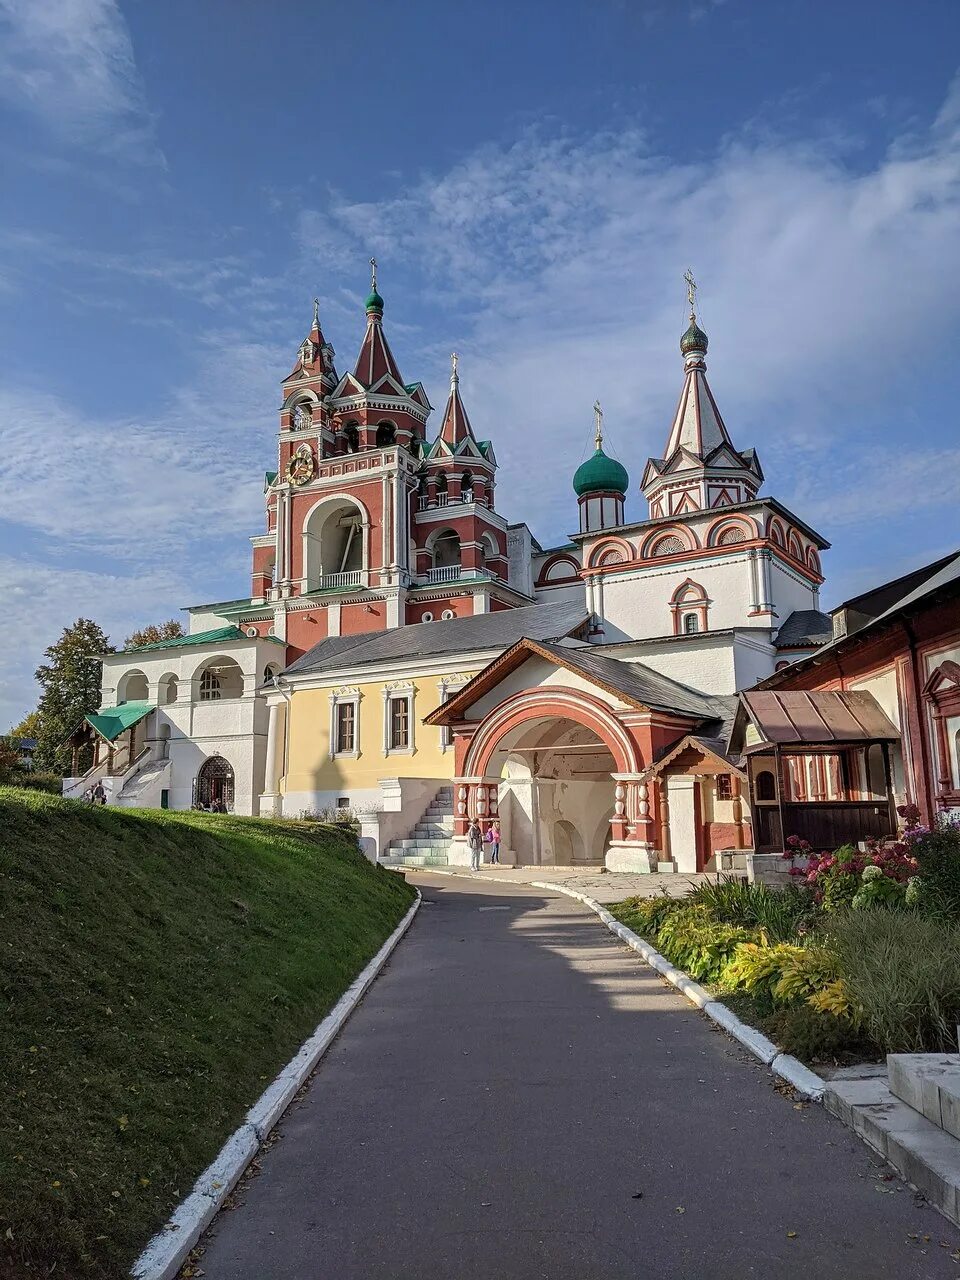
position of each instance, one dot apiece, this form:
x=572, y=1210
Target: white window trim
x=446, y=688
x=346, y=693
x=399, y=689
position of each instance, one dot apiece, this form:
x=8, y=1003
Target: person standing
x=475, y=841
x=493, y=837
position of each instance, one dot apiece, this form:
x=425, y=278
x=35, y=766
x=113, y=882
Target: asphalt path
x=519, y=1096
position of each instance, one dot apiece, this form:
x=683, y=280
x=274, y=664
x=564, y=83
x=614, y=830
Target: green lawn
x=156, y=971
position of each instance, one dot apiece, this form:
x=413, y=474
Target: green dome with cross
x=600, y=474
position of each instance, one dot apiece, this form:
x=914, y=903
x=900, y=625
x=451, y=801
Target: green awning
x=110, y=722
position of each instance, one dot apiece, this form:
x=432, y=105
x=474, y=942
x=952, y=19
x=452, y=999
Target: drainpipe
x=278, y=683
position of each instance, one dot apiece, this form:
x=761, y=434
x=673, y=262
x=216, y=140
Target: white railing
x=442, y=499
x=446, y=573
x=349, y=578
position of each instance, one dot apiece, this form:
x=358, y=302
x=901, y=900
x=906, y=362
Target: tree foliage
x=28, y=727
x=169, y=630
x=70, y=689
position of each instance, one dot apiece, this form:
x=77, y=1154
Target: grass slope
x=156, y=971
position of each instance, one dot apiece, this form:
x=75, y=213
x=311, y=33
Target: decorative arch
x=729, y=530
x=215, y=783
x=609, y=552
x=686, y=540
x=776, y=532
x=324, y=549
x=795, y=547
x=561, y=568
x=813, y=560
x=133, y=686
x=168, y=688
x=689, y=601
x=444, y=547
x=298, y=396
x=534, y=704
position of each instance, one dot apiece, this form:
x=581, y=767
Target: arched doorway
x=556, y=797
x=215, y=783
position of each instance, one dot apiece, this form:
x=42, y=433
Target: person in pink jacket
x=493, y=839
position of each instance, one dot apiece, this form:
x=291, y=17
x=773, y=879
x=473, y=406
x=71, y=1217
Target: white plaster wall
x=637, y=602
x=706, y=663
x=295, y=802
x=205, y=620
x=754, y=659
x=789, y=591
x=534, y=673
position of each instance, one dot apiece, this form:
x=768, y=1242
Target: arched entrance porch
x=562, y=772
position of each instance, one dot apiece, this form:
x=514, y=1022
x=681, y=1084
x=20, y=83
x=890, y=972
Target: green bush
x=902, y=971
x=39, y=780
x=781, y=913
x=938, y=862
x=700, y=945
x=645, y=915
x=815, y=1037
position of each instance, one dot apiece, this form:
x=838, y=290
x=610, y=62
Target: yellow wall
x=309, y=766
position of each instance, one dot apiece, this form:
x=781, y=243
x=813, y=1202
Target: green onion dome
x=600, y=474
x=694, y=339
x=374, y=302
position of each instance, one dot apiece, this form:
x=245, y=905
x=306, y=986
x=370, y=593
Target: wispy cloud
x=71, y=64
x=821, y=281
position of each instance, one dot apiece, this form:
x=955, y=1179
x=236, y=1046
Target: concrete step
x=930, y=1083
x=919, y=1150
x=420, y=842
x=413, y=862
x=434, y=828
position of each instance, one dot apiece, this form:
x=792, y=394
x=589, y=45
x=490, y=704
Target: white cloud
x=823, y=277
x=71, y=63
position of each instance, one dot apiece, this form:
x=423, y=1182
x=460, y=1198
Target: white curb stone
x=804, y=1080
x=166, y=1253
x=788, y=1068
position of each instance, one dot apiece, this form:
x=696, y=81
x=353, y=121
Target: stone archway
x=561, y=771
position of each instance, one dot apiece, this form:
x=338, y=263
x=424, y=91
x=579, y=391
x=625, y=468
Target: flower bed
x=861, y=957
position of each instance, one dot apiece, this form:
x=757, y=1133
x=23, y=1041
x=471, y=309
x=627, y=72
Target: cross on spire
x=598, y=418
x=454, y=361
x=691, y=290
x=316, y=313
x=373, y=275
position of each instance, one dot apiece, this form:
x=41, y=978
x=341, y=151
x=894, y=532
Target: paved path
x=510, y=1088
x=605, y=886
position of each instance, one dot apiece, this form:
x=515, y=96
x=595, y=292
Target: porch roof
x=820, y=718
x=110, y=722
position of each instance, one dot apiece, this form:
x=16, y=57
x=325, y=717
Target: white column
x=273, y=747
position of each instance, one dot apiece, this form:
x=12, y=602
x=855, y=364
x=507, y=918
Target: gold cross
x=691, y=289
x=598, y=415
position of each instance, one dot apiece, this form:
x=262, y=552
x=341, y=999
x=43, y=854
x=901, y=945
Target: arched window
x=270, y=673
x=210, y=690
x=446, y=550
x=351, y=437
x=302, y=417
x=611, y=556
x=168, y=690
x=442, y=489
x=334, y=538
x=795, y=548
x=689, y=607
x=386, y=435
x=691, y=624
x=466, y=486
x=670, y=545
x=133, y=687
x=765, y=785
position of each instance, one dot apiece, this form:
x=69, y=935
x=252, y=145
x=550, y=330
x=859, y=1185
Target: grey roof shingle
x=641, y=683
x=457, y=635
x=803, y=627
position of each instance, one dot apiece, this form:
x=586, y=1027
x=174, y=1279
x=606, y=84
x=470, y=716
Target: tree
x=28, y=727
x=153, y=634
x=70, y=685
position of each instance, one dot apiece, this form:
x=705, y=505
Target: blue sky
x=180, y=180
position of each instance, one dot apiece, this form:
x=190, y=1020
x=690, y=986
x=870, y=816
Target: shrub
x=838, y=879
x=902, y=969
x=937, y=854
x=781, y=913
x=813, y=1036
x=39, y=780
x=696, y=942
x=787, y=974
x=646, y=915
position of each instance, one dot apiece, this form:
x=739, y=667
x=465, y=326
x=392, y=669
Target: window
x=386, y=435
x=210, y=690
x=399, y=724
x=351, y=437
x=302, y=417
x=724, y=786
x=691, y=624
x=466, y=486
x=426, y=617
x=441, y=490
x=346, y=728
x=447, y=615
x=765, y=786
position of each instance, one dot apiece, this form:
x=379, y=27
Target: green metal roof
x=269, y=478
x=110, y=722
x=600, y=474
x=199, y=637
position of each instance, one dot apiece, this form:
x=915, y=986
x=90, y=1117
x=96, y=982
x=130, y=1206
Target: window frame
x=342, y=696
x=399, y=691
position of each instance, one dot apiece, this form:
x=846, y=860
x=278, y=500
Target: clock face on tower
x=302, y=466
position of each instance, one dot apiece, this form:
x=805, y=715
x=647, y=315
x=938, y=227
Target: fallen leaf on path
x=680, y=1209
x=791, y=1235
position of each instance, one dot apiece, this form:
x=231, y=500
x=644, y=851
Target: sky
x=181, y=179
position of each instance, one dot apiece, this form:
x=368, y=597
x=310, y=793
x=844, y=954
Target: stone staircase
x=910, y=1113
x=429, y=841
